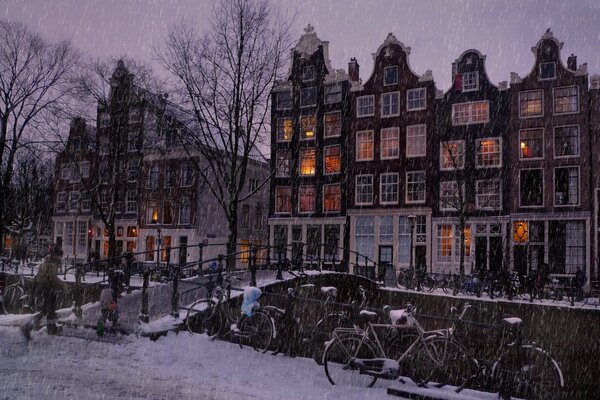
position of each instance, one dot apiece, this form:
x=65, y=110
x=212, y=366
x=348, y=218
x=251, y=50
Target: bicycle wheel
x=204, y=316
x=13, y=299
x=401, y=281
x=322, y=333
x=338, y=361
x=428, y=284
x=256, y=331
x=396, y=346
x=452, y=366
x=528, y=372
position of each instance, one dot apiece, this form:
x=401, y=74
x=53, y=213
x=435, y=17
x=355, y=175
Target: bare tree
x=225, y=77
x=34, y=76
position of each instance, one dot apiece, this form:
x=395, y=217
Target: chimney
x=572, y=62
x=353, y=69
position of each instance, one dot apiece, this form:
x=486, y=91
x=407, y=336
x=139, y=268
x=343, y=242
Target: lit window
x=566, y=100
x=365, y=106
x=307, y=199
x=364, y=146
x=390, y=146
x=547, y=70
x=476, y=112
x=531, y=187
x=364, y=190
x=152, y=213
x=308, y=97
x=285, y=128
x=333, y=93
x=488, y=195
x=284, y=100
x=390, y=75
x=307, y=126
x=283, y=199
x=332, y=198
x=416, y=140
x=449, y=196
x=416, y=99
x=452, y=155
x=470, y=81
x=415, y=187
x=531, y=104
x=531, y=144
x=333, y=124
x=333, y=160
x=388, y=188
x=150, y=248
x=444, y=240
x=566, y=186
x=307, y=162
x=520, y=232
x=488, y=153
x=283, y=163
x=566, y=141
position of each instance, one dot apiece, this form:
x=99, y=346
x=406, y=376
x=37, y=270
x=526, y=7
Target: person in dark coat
x=47, y=286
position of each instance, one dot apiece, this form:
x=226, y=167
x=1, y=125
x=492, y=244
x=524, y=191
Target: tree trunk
x=232, y=237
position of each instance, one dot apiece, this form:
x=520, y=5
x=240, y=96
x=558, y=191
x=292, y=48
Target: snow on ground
x=178, y=367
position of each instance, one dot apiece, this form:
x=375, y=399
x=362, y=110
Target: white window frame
x=333, y=85
x=86, y=202
x=578, y=185
x=279, y=165
x=384, y=75
x=323, y=194
x=314, y=130
x=302, y=157
x=325, y=134
x=325, y=157
x=416, y=127
x=554, y=89
x=578, y=141
x=521, y=116
x=383, y=108
x=397, y=184
x=132, y=174
x=540, y=71
x=129, y=202
x=356, y=192
x=462, y=165
x=396, y=139
x=406, y=188
x=189, y=201
x=408, y=92
x=358, y=106
x=281, y=123
x=476, y=81
x=470, y=115
x=291, y=203
x=478, y=148
x=314, y=199
x=521, y=158
x=543, y=187
x=444, y=205
x=61, y=197
x=303, y=90
x=77, y=195
x=478, y=206
x=365, y=141
x=277, y=100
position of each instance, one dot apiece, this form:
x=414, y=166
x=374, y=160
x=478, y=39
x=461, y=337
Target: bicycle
x=16, y=299
x=594, y=296
x=415, y=279
x=213, y=316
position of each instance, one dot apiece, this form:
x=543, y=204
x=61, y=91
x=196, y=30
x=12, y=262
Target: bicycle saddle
x=329, y=290
x=369, y=316
x=513, y=321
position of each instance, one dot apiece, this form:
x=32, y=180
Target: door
x=495, y=254
x=421, y=256
x=183, y=250
x=520, y=259
x=481, y=253
x=385, y=259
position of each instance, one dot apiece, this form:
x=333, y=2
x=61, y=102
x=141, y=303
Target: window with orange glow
x=333, y=160
x=283, y=199
x=307, y=126
x=332, y=198
x=307, y=199
x=531, y=143
x=285, y=127
x=308, y=162
x=520, y=232
x=530, y=104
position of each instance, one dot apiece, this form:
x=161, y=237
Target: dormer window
x=470, y=81
x=390, y=75
x=548, y=71
x=308, y=73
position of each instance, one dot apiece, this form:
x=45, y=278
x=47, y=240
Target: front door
x=495, y=254
x=385, y=259
x=520, y=259
x=421, y=256
x=481, y=253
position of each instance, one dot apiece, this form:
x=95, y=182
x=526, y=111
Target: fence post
x=252, y=265
x=279, y=276
x=78, y=293
x=220, y=269
x=175, y=297
x=144, y=317
x=200, y=257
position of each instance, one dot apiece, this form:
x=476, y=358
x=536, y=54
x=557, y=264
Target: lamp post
x=412, y=219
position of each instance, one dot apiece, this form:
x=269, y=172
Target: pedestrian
x=47, y=286
x=109, y=296
x=580, y=280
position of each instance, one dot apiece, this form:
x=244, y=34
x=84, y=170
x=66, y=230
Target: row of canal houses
x=392, y=171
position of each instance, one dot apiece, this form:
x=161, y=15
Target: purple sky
x=437, y=31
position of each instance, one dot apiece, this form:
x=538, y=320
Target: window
x=74, y=201
x=333, y=93
x=69, y=231
x=566, y=186
x=252, y=185
x=476, y=112
x=415, y=187
x=103, y=171
x=449, y=196
x=153, y=213
x=531, y=144
x=531, y=187
x=61, y=201
x=566, y=141
x=104, y=199
x=308, y=73
x=81, y=236
x=167, y=212
x=365, y=106
x=416, y=99
x=403, y=240
x=390, y=145
x=150, y=248
x=365, y=239
x=390, y=75
x=258, y=218
x=283, y=199
x=333, y=160
x=245, y=216
x=308, y=124
x=65, y=172
x=389, y=104
x=308, y=162
x=444, y=242
x=566, y=100
x=388, y=188
x=488, y=195
x=332, y=198
x=185, y=211
x=285, y=127
x=153, y=176
x=86, y=202
x=452, y=155
x=84, y=169
x=132, y=139
x=187, y=175
x=130, y=202
x=169, y=176
x=547, y=70
x=386, y=229
x=307, y=199
x=364, y=145
x=470, y=81
x=489, y=153
x=308, y=96
x=132, y=170
x=531, y=104
x=575, y=246
x=364, y=190
x=333, y=124
x=416, y=140
x=283, y=163
x=285, y=100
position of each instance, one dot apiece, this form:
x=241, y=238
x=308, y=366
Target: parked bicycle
x=415, y=279
x=17, y=300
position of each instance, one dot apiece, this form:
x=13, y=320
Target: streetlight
x=412, y=219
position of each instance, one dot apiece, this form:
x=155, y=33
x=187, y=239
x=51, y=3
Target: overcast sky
x=437, y=31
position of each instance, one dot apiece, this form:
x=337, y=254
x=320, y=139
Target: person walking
x=47, y=286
